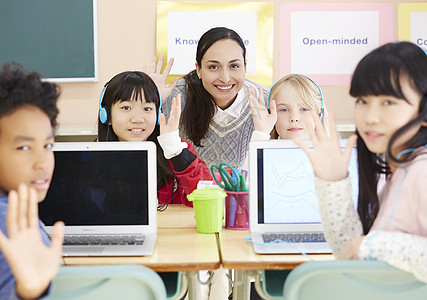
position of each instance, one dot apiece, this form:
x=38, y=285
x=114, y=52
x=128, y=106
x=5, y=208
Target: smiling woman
x=222, y=72
x=216, y=116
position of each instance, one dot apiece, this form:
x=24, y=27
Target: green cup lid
x=207, y=193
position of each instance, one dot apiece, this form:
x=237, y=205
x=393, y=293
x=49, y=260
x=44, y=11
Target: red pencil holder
x=237, y=210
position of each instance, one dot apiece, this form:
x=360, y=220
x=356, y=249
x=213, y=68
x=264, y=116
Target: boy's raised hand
x=263, y=120
x=175, y=114
x=329, y=162
x=160, y=78
x=33, y=264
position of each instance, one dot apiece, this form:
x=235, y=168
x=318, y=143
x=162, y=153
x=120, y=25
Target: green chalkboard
x=56, y=38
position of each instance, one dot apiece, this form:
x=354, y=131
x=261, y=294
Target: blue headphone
x=322, y=105
x=103, y=115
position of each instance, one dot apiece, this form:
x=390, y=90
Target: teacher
x=216, y=116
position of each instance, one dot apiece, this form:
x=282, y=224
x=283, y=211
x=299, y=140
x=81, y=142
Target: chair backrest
x=175, y=283
x=352, y=280
x=107, y=282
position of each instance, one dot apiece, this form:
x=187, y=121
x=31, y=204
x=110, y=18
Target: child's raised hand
x=33, y=264
x=263, y=120
x=175, y=114
x=160, y=78
x=329, y=162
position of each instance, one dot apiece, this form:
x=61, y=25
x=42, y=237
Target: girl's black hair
x=200, y=107
x=131, y=86
x=381, y=73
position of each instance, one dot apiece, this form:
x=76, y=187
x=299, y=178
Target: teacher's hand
x=173, y=121
x=160, y=78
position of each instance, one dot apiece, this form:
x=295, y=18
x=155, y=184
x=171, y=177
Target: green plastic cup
x=208, y=209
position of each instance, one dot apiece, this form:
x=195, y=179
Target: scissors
x=230, y=183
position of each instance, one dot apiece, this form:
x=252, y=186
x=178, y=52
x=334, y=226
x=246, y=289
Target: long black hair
x=129, y=86
x=200, y=107
x=380, y=73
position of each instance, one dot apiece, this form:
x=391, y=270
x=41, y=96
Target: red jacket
x=186, y=179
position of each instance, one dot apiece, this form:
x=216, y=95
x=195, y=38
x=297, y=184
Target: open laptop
x=106, y=194
x=282, y=198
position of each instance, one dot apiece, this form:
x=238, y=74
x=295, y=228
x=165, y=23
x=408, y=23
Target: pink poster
x=325, y=41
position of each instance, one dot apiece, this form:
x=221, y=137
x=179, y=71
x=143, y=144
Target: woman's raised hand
x=175, y=114
x=160, y=78
x=263, y=120
x=330, y=163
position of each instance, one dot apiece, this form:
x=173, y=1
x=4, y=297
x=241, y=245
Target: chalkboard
x=56, y=38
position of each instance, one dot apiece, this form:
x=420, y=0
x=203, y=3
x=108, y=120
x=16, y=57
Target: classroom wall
x=126, y=41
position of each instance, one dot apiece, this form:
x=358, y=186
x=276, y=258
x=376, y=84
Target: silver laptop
x=106, y=194
x=283, y=202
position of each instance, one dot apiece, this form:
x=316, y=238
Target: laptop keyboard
x=103, y=240
x=294, y=237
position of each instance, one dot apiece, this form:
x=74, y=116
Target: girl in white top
x=390, y=90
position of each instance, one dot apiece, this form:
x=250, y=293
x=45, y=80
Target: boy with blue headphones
x=28, y=260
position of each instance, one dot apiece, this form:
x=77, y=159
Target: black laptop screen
x=98, y=188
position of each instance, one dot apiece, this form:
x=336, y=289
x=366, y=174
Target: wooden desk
x=176, y=250
x=238, y=254
x=176, y=216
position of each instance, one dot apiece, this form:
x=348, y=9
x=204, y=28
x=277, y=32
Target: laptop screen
x=91, y=187
x=286, y=190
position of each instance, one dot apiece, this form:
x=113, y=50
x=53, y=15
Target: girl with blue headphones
x=130, y=110
x=290, y=101
x=390, y=90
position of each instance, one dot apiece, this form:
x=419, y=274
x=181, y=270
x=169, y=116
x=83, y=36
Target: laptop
x=282, y=198
x=106, y=194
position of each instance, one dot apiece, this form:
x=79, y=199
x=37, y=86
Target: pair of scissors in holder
x=229, y=183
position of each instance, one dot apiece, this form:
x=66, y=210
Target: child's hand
x=32, y=263
x=175, y=114
x=329, y=162
x=351, y=250
x=160, y=78
x=263, y=121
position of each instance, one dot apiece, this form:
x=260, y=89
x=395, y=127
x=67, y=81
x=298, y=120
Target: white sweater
x=403, y=250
